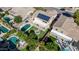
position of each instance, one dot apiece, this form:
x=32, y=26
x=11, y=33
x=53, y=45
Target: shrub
x=18, y=19
x=76, y=17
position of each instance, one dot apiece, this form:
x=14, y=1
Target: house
x=67, y=28
x=42, y=20
x=24, y=12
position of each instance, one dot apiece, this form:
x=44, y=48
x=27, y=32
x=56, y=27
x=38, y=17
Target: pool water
x=14, y=40
x=3, y=29
x=7, y=19
x=26, y=27
x=66, y=49
x=1, y=39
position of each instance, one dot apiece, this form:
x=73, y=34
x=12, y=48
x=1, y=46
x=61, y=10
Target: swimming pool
x=26, y=27
x=66, y=49
x=3, y=29
x=7, y=19
x=1, y=39
x=13, y=39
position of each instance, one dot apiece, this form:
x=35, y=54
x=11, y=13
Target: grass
x=49, y=46
x=52, y=46
x=41, y=32
x=32, y=42
x=21, y=35
x=23, y=49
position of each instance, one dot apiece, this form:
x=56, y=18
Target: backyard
x=49, y=44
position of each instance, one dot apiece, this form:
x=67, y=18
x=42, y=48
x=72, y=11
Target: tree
x=1, y=10
x=76, y=17
x=6, y=12
x=18, y=19
x=51, y=44
x=31, y=45
x=2, y=14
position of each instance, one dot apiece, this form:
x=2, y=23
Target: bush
x=6, y=12
x=2, y=14
x=51, y=45
x=31, y=45
x=18, y=19
x=76, y=17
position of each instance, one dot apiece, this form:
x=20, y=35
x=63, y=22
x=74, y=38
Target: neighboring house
x=22, y=11
x=66, y=31
x=42, y=20
x=66, y=26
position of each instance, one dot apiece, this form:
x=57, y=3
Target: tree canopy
x=18, y=19
x=76, y=17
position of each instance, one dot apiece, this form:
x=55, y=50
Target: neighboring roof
x=61, y=35
x=22, y=11
x=71, y=29
x=68, y=26
x=60, y=21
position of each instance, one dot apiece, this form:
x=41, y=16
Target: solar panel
x=44, y=17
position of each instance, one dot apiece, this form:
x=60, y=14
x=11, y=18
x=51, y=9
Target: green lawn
x=31, y=39
x=50, y=46
x=40, y=31
x=22, y=36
